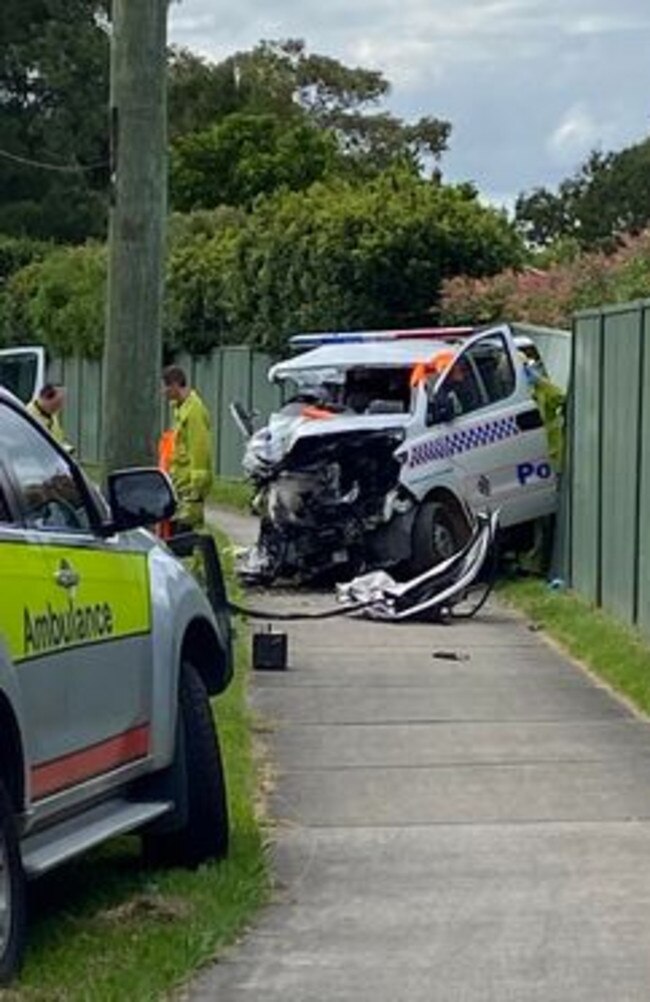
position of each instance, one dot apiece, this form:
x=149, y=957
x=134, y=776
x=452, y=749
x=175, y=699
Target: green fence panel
x=643, y=548
x=90, y=409
x=235, y=386
x=207, y=380
x=71, y=379
x=620, y=460
x=54, y=372
x=585, y=457
x=226, y=374
x=265, y=397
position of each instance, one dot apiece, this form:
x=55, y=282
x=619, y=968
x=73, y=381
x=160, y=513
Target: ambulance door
x=39, y=692
x=86, y=640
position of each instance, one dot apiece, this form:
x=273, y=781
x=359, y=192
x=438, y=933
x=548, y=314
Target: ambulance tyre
x=439, y=531
x=204, y=835
x=13, y=909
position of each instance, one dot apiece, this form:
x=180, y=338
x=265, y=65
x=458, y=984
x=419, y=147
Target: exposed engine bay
x=324, y=503
x=327, y=479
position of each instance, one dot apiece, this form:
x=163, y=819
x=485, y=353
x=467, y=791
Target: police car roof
x=366, y=354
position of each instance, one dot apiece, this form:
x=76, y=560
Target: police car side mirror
x=139, y=497
x=441, y=409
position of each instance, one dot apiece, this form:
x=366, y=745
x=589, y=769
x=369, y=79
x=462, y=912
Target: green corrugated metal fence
x=227, y=374
x=609, y=468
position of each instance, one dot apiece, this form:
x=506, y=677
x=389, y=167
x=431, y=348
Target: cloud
x=607, y=24
x=575, y=134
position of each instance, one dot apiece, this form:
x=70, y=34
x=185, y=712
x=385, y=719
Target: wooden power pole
x=133, y=352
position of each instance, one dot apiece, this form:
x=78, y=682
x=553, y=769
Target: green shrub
x=59, y=302
x=340, y=255
x=552, y=295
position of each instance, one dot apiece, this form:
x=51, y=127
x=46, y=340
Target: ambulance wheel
x=13, y=909
x=204, y=834
x=439, y=531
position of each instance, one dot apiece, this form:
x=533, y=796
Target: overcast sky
x=529, y=86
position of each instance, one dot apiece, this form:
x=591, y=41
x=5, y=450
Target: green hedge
x=338, y=256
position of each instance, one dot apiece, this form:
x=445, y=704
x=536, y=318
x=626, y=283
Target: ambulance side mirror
x=139, y=497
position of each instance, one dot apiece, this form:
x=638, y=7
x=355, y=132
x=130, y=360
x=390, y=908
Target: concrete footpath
x=466, y=830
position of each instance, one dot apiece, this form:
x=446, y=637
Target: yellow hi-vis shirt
x=49, y=421
x=550, y=400
x=191, y=465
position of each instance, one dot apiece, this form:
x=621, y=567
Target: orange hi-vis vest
x=166, y=444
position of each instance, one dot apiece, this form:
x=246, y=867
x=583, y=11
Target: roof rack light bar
x=358, y=337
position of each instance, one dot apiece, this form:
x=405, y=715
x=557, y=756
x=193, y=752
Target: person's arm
x=199, y=439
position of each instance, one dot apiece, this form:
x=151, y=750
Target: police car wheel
x=13, y=912
x=204, y=835
x=438, y=533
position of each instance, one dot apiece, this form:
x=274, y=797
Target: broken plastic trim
x=434, y=591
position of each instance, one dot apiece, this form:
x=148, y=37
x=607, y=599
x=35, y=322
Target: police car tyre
x=13, y=911
x=438, y=532
x=205, y=834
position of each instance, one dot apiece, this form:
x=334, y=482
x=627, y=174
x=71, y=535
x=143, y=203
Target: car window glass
x=378, y=391
x=48, y=493
x=494, y=365
x=462, y=387
x=5, y=514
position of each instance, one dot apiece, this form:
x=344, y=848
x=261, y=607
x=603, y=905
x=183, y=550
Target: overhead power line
x=43, y=165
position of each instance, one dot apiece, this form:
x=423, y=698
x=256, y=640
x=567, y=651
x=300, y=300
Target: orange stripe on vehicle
x=60, y=773
x=317, y=413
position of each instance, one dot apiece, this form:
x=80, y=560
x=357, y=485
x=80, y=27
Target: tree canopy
x=299, y=201
x=245, y=156
x=286, y=80
x=607, y=198
x=53, y=110
x=286, y=115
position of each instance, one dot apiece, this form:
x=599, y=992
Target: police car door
x=77, y=613
x=495, y=433
x=521, y=481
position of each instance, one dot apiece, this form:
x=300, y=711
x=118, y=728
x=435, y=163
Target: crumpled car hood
x=269, y=446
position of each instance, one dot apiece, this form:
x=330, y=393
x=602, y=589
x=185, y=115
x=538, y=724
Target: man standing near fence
x=190, y=461
x=46, y=407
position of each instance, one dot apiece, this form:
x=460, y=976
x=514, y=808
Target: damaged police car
x=390, y=442
x=109, y=651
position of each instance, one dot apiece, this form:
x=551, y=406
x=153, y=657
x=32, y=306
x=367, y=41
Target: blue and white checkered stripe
x=458, y=442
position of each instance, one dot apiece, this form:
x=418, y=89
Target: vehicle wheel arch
x=12, y=761
x=427, y=550
x=198, y=828
x=447, y=497
x=202, y=647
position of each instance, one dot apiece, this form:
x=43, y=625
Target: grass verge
x=105, y=928
x=233, y=493
x=615, y=652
